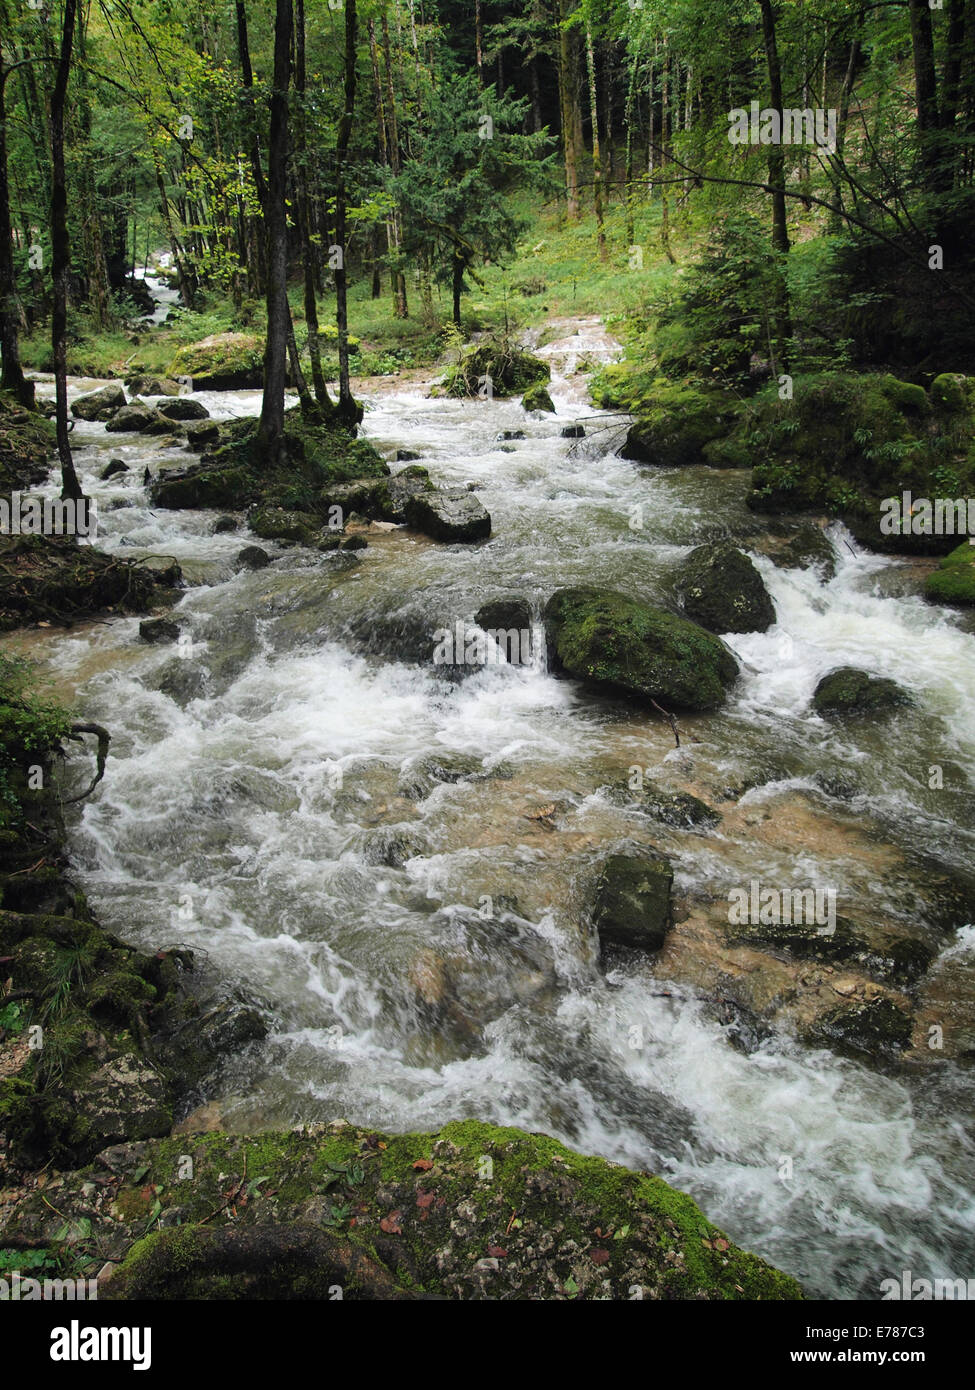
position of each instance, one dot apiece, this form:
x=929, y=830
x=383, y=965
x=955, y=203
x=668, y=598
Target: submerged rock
x=504, y=615
x=723, y=591
x=252, y=557
x=619, y=644
x=156, y=630
x=632, y=901
x=678, y=809
x=848, y=692
x=113, y=468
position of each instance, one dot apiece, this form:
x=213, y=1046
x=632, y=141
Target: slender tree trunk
x=628, y=122
x=271, y=427
x=665, y=129
x=399, y=279
x=479, y=42
x=776, y=171
x=61, y=255
x=307, y=257
x=926, y=93
x=597, y=168
x=12, y=377
x=347, y=407
x=568, y=109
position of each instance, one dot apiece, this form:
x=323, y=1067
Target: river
x=429, y=959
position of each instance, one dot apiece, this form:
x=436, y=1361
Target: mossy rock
x=27, y=445
x=675, y=423
x=618, y=644
x=510, y=370
x=808, y=548
x=954, y=579
x=538, y=398
x=51, y=578
x=949, y=394
x=869, y=1028
x=222, y=362
x=632, y=904
x=678, y=809
x=276, y=524
x=721, y=589
x=473, y=1212
x=848, y=692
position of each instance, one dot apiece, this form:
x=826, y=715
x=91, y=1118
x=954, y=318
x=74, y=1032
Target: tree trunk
x=347, y=408
x=308, y=264
x=271, y=427
x=60, y=254
x=926, y=93
x=776, y=171
x=597, y=169
x=12, y=376
x=568, y=106
x=401, y=310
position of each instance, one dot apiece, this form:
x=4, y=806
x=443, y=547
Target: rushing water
x=255, y=810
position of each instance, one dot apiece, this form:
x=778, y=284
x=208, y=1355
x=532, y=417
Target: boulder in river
x=99, y=405
x=139, y=418
x=407, y=456
x=113, y=467
x=278, y=524
x=504, y=615
x=200, y=437
x=224, y=524
x=848, y=691
x=538, y=398
x=152, y=386
x=954, y=579
x=156, y=630
x=573, y=432
x=452, y=514
x=723, y=591
x=184, y=408
x=252, y=557
x=632, y=904
x=498, y=367
x=222, y=362
x=617, y=643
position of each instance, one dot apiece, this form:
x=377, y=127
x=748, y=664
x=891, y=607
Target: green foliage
x=32, y=725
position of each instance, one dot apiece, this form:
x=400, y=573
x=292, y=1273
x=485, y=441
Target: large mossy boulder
x=848, y=692
x=632, y=901
x=619, y=644
x=27, y=443
x=674, y=424
x=222, y=362
x=497, y=367
x=721, y=589
x=152, y=386
x=99, y=405
x=184, y=408
x=472, y=1212
x=954, y=579
x=278, y=524
x=378, y=499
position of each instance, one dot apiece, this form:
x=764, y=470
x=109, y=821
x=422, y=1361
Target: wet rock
x=509, y=371
x=139, y=418
x=723, y=591
x=99, y=405
x=620, y=645
x=183, y=408
x=122, y=1100
x=354, y=543
x=954, y=579
x=870, y=1027
x=201, y=1028
x=200, y=437
x=112, y=469
x=252, y=557
x=157, y=630
x=152, y=386
x=632, y=904
x=277, y=524
x=224, y=524
x=222, y=362
x=538, y=398
x=848, y=692
x=203, y=486
x=449, y=515
x=678, y=809
x=504, y=615
x=810, y=547
x=420, y=778
x=506, y=436
x=391, y=847
x=407, y=456
x=572, y=432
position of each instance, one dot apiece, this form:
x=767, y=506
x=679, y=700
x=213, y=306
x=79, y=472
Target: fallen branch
x=671, y=720
x=104, y=739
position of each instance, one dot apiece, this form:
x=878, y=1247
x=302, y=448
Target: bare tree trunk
x=12, y=378
x=597, y=168
x=568, y=104
x=271, y=427
x=348, y=410
x=60, y=254
x=307, y=250
x=776, y=171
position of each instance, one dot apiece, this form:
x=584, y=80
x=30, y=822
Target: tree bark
x=271, y=427
x=60, y=255
x=12, y=374
x=347, y=408
x=597, y=168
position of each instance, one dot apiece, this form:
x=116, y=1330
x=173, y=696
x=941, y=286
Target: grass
x=554, y=271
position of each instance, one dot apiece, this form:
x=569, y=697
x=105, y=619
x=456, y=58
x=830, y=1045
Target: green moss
x=614, y=641
x=948, y=394
x=675, y=422
x=509, y=370
x=954, y=580
x=847, y=692
x=538, y=398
